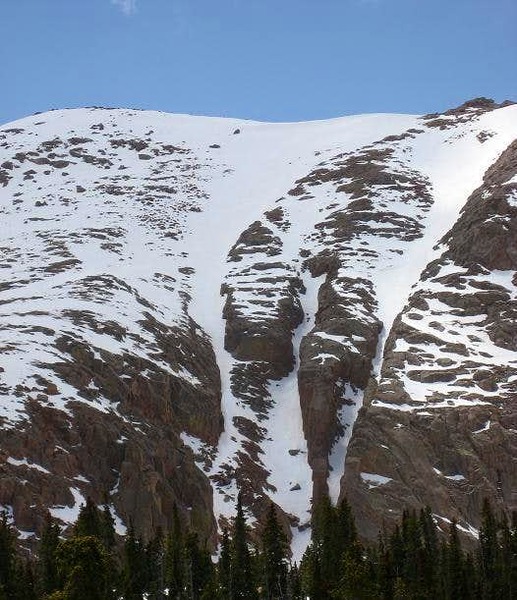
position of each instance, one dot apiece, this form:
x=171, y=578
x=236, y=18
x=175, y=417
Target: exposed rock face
x=439, y=425
x=272, y=287
x=378, y=188
x=186, y=312
x=111, y=378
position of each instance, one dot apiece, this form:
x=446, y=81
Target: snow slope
x=114, y=217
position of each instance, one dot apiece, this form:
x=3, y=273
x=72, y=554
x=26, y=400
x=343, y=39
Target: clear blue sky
x=279, y=60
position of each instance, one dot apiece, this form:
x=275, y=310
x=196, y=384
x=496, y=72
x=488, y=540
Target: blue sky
x=278, y=60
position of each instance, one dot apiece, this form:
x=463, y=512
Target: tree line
x=415, y=561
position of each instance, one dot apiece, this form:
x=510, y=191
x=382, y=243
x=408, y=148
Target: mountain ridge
x=242, y=359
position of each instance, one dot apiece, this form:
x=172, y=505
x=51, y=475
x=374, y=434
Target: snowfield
x=110, y=218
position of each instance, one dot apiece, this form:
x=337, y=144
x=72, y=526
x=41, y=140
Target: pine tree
x=47, y=565
x=27, y=584
x=313, y=584
x=397, y=553
x=414, y=556
x=107, y=527
x=83, y=566
x=242, y=581
x=384, y=567
x=294, y=589
x=401, y=590
x=511, y=558
x=358, y=579
x=455, y=568
x=154, y=567
x=89, y=521
x=224, y=566
x=134, y=566
x=174, y=563
x=8, y=559
x=198, y=567
x=347, y=531
x=489, y=554
x=507, y=558
x=327, y=542
x=429, y=554
x=274, y=557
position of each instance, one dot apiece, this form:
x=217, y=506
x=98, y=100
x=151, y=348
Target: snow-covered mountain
x=190, y=306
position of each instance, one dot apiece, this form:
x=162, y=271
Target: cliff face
x=438, y=424
x=193, y=306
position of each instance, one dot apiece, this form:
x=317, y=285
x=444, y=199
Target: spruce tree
x=134, y=566
x=107, y=527
x=89, y=521
x=414, y=555
x=489, y=554
x=8, y=559
x=274, y=557
x=27, y=582
x=224, y=566
x=358, y=579
x=242, y=581
x=47, y=565
x=313, y=584
x=455, y=568
x=174, y=558
x=294, y=590
x=154, y=567
x=327, y=542
x=510, y=558
x=83, y=566
x=198, y=567
x=429, y=554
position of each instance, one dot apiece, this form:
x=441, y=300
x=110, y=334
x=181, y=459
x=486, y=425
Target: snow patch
x=374, y=480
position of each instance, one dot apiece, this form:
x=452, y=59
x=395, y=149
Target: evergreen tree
x=27, y=583
x=384, y=567
x=89, y=521
x=327, y=542
x=224, y=566
x=429, y=553
x=358, y=580
x=83, y=566
x=504, y=553
x=397, y=553
x=174, y=563
x=312, y=582
x=274, y=557
x=510, y=558
x=198, y=567
x=409, y=564
x=470, y=578
x=107, y=527
x=56, y=596
x=410, y=552
x=47, y=564
x=8, y=559
x=346, y=529
x=294, y=589
x=401, y=590
x=242, y=581
x=455, y=568
x=134, y=566
x=154, y=567
x=489, y=554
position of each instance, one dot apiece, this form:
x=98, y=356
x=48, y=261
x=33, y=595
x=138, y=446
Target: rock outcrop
x=438, y=426
x=293, y=311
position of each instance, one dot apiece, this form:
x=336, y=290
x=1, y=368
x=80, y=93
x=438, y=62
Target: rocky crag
x=192, y=306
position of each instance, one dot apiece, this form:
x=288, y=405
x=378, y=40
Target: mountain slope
x=189, y=306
